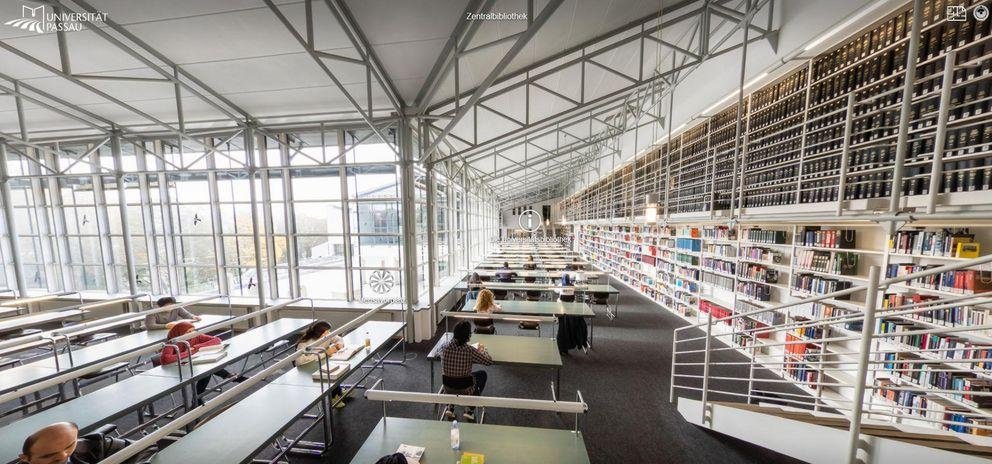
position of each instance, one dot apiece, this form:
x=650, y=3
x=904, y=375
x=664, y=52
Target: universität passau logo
x=32, y=19
x=41, y=19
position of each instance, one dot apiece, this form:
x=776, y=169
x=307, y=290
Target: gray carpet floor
x=624, y=379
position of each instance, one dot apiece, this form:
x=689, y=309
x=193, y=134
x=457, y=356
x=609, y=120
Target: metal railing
x=880, y=351
x=225, y=397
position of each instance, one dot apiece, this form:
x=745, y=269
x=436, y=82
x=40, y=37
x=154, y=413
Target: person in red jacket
x=170, y=355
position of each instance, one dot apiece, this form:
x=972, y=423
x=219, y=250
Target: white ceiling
x=240, y=50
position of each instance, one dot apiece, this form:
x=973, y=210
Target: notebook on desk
x=331, y=371
x=346, y=353
x=209, y=356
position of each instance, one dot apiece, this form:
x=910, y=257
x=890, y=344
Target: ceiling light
x=860, y=14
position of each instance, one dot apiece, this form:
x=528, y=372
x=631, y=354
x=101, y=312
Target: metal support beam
x=477, y=94
x=12, y=236
x=409, y=217
x=250, y=154
x=115, y=150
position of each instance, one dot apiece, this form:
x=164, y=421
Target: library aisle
x=624, y=379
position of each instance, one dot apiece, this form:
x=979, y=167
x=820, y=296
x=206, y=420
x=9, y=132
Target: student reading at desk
x=567, y=291
x=505, y=274
x=169, y=354
x=315, y=332
x=486, y=304
x=167, y=320
x=530, y=265
x=457, y=358
x=60, y=443
x=474, y=284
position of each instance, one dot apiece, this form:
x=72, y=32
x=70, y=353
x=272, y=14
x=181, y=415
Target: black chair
x=501, y=294
x=567, y=298
x=599, y=298
x=530, y=280
x=533, y=295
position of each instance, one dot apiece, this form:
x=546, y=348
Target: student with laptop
x=162, y=321
x=530, y=265
x=170, y=355
x=567, y=291
x=316, y=331
x=486, y=304
x=60, y=443
x=457, y=376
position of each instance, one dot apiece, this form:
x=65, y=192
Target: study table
x=13, y=324
x=247, y=427
x=509, y=350
x=106, y=404
x=541, y=308
x=553, y=275
x=519, y=265
x=609, y=290
x=21, y=376
x=501, y=444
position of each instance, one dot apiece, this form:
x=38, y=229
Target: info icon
x=981, y=12
x=957, y=13
x=530, y=220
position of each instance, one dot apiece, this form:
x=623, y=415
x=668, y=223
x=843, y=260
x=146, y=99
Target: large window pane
x=323, y=283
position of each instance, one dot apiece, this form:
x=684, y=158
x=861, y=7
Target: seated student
x=567, y=291
x=486, y=304
x=60, y=443
x=315, y=332
x=167, y=320
x=474, y=284
x=169, y=354
x=457, y=376
x=505, y=274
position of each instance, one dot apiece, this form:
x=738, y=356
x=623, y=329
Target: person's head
x=316, y=330
x=506, y=265
x=180, y=329
x=530, y=257
x=485, y=299
x=566, y=279
x=165, y=301
x=475, y=278
x=462, y=332
x=53, y=444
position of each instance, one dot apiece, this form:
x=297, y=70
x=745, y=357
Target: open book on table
x=331, y=370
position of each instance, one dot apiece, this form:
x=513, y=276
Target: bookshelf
x=697, y=270
x=797, y=145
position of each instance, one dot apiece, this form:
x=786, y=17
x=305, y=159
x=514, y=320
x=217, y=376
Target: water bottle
x=456, y=440
x=368, y=341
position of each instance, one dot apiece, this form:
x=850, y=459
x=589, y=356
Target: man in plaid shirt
x=457, y=357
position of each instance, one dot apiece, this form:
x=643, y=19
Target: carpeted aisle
x=624, y=379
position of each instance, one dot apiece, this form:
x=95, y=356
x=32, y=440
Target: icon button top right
x=981, y=12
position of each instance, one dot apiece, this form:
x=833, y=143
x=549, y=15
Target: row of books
x=831, y=262
x=933, y=408
x=764, y=236
x=964, y=281
x=765, y=317
x=940, y=378
x=718, y=312
x=754, y=290
x=719, y=265
x=688, y=244
x=816, y=237
x=810, y=332
x=942, y=243
x=872, y=41
x=721, y=250
x=785, y=87
x=718, y=280
x=816, y=285
x=761, y=254
x=758, y=272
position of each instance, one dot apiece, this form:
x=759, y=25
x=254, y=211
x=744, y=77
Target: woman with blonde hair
x=486, y=304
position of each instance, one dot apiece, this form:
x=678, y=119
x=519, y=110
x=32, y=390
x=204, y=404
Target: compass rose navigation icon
x=530, y=220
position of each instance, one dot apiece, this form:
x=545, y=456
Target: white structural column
x=8, y=210
x=409, y=214
x=253, y=195
x=115, y=149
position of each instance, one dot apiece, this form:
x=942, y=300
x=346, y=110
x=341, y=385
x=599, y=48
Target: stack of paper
x=411, y=453
x=331, y=370
x=346, y=353
x=209, y=354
